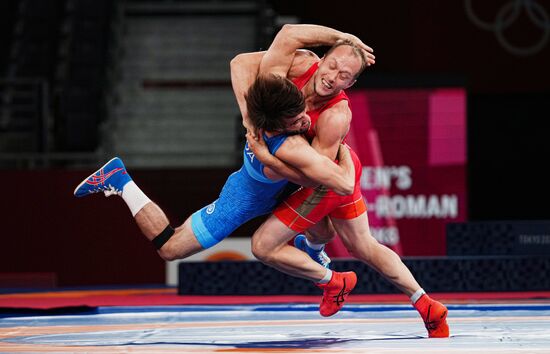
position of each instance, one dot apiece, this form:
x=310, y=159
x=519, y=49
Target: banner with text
x=412, y=145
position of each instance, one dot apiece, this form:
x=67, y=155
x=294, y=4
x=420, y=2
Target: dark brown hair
x=271, y=98
x=356, y=50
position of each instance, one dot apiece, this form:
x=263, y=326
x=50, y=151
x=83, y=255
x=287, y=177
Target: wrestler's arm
x=284, y=57
x=244, y=70
x=319, y=168
x=331, y=128
x=274, y=168
x=278, y=58
x=298, y=162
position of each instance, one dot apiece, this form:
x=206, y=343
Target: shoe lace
x=110, y=190
x=319, y=256
x=323, y=258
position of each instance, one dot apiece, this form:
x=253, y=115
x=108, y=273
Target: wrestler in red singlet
x=307, y=206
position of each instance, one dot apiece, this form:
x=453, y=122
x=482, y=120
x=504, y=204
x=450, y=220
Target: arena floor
x=511, y=324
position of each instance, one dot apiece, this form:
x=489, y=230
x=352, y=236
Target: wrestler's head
x=339, y=69
x=276, y=105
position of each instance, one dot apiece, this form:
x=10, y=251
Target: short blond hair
x=356, y=50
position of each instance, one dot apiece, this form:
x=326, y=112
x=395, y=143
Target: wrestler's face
x=336, y=71
x=298, y=124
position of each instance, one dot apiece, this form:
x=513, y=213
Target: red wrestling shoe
x=336, y=292
x=434, y=314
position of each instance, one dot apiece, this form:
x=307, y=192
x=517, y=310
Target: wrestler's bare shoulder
x=303, y=60
x=294, y=142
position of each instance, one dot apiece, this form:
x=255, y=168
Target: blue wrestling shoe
x=319, y=256
x=110, y=179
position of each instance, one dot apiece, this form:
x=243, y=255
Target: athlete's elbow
x=287, y=29
x=168, y=253
x=289, y=32
x=236, y=61
x=345, y=189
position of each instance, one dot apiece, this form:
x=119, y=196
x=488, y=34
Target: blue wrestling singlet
x=247, y=193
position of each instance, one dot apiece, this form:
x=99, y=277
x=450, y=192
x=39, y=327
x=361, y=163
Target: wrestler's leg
x=356, y=236
x=270, y=245
x=314, y=239
x=113, y=179
x=322, y=232
x=361, y=244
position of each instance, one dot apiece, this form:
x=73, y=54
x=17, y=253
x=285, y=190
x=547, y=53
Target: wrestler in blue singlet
x=247, y=193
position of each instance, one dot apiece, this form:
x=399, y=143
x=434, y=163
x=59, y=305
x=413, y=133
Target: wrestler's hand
x=345, y=161
x=359, y=43
x=343, y=153
x=258, y=146
x=250, y=128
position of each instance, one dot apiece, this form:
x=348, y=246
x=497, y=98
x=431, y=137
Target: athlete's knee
x=173, y=248
x=261, y=250
x=169, y=251
x=364, y=250
x=258, y=248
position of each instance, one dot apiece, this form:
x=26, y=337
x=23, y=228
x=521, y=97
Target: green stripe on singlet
x=312, y=201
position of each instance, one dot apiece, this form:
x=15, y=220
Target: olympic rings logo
x=507, y=15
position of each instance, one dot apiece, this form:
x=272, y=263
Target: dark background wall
x=437, y=38
x=417, y=43
x=91, y=240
